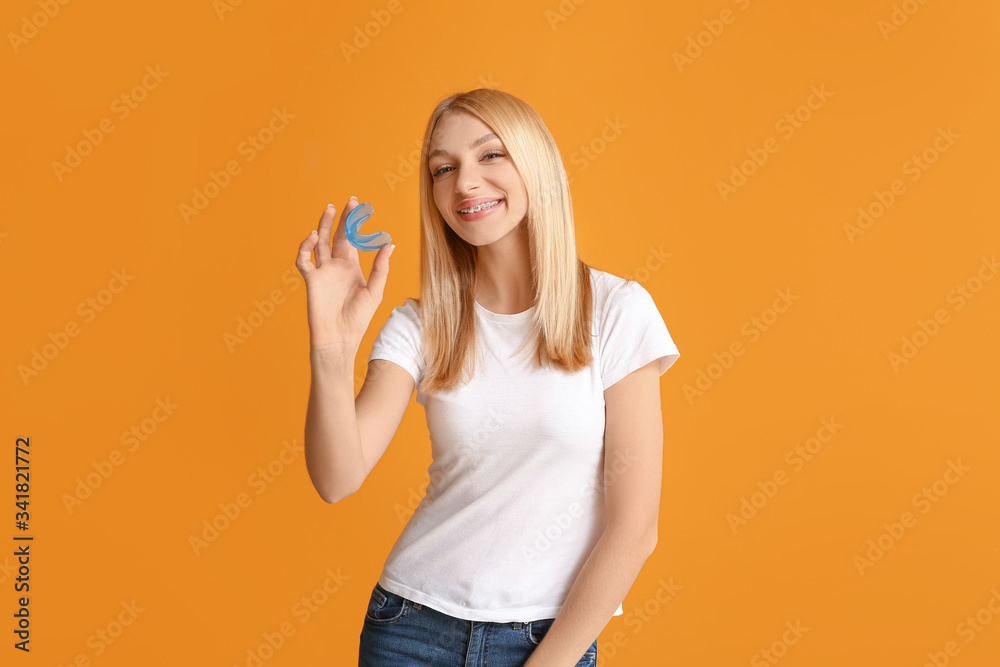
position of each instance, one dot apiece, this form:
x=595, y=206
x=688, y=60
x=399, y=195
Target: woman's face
x=467, y=173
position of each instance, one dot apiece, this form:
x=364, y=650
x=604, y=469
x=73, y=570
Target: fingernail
x=314, y=231
x=392, y=249
x=353, y=197
x=329, y=205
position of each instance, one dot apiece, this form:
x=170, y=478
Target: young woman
x=539, y=377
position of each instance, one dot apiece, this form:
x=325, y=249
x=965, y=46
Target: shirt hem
x=667, y=353
x=465, y=613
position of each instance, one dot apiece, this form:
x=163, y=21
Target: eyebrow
x=478, y=142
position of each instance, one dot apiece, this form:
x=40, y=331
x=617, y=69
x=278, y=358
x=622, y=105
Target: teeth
x=479, y=207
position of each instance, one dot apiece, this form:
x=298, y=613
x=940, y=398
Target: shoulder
x=614, y=293
x=630, y=328
x=405, y=316
x=410, y=308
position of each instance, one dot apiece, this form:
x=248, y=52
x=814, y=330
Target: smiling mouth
x=479, y=207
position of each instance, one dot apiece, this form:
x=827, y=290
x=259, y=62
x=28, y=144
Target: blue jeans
x=399, y=632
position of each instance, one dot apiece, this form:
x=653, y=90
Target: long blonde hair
x=560, y=280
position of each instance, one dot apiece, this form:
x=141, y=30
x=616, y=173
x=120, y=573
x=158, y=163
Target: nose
x=467, y=180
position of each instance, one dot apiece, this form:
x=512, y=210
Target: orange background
x=652, y=184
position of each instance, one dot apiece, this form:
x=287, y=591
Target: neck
x=503, y=274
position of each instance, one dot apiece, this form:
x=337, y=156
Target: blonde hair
x=560, y=281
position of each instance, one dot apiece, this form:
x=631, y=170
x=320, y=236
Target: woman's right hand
x=340, y=303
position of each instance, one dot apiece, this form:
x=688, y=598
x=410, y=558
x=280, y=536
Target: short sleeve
x=400, y=340
x=633, y=334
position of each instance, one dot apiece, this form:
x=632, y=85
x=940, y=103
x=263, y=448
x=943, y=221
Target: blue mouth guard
x=360, y=241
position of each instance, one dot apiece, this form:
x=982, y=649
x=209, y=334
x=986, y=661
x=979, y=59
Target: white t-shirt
x=515, y=502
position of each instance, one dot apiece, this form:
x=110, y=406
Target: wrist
x=334, y=354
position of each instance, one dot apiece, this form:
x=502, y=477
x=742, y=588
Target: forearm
x=333, y=451
x=599, y=588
